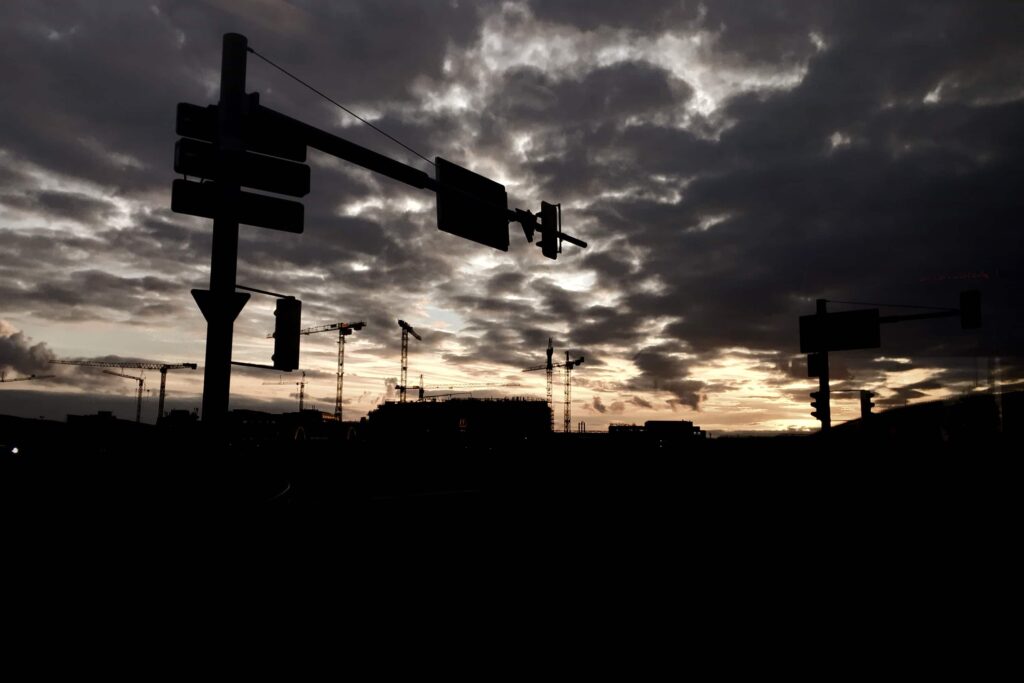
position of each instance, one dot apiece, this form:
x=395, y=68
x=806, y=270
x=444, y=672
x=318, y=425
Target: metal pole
x=341, y=373
x=224, y=259
x=405, y=364
x=138, y=403
x=567, y=413
x=550, y=378
x=826, y=408
x=163, y=384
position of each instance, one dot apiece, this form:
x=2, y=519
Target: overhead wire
x=868, y=303
x=339, y=105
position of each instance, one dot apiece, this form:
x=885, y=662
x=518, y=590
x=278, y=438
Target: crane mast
x=550, y=371
x=406, y=331
x=567, y=414
x=141, y=379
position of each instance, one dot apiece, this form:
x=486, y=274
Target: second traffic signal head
x=865, y=403
x=286, y=333
x=820, y=409
x=549, y=229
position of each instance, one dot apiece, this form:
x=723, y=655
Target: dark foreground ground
x=146, y=468
x=925, y=460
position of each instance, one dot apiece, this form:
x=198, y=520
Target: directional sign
x=840, y=331
x=471, y=206
x=202, y=199
x=260, y=133
x=200, y=159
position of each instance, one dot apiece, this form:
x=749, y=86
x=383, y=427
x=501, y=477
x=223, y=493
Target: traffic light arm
x=918, y=316
x=386, y=166
x=350, y=151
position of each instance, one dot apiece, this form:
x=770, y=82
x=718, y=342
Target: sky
x=727, y=162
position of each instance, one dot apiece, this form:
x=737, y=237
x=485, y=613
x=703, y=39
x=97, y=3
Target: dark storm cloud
x=530, y=96
x=662, y=371
x=859, y=221
x=640, y=402
x=645, y=15
x=78, y=295
x=61, y=205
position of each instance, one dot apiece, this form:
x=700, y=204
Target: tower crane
x=569, y=364
x=406, y=331
x=301, y=384
x=549, y=368
x=3, y=377
x=162, y=367
x=141, y=380
x=344, y=330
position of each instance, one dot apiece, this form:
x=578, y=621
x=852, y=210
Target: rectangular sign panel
x=840, y=331
x=258, y=132
x=199, y=159
x=471, y=206
x=201, y=199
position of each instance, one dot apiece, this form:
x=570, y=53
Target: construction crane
x=162, y=367
x=406, y=331
x=3, y=377
x=141, y=380
x=344, y=330
x=301, y=384
x=569, y=365
x=549, y=367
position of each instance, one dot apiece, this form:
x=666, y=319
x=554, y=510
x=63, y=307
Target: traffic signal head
x=817, y=404
x=549, y=229
x=970, y=309
x=286, y=333
x=865, y=403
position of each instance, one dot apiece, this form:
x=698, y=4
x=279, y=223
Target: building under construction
x=493, y=422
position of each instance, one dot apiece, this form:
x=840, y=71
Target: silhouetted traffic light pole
x=822, y=402
x=860, y=329
x=222, y=303
x=242, y=143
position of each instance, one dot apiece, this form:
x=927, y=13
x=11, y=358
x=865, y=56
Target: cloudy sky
x=728, y=162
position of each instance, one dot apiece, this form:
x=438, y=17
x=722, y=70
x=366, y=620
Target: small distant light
x=14, y=450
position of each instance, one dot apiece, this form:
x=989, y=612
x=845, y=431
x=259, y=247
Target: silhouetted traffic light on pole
x=286, y=333
x=820, y=412
x=970, y=309
x=549, y=229
x=865, y=404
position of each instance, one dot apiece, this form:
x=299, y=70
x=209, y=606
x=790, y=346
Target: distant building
x=657, y=434
x=494, y=421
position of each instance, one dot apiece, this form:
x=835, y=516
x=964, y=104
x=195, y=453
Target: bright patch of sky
x=839, y=139
x=509, y=42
